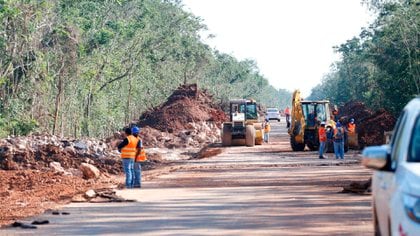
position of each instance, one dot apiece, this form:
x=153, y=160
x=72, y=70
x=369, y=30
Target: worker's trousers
x=137, y=175
x=266, y=136
x=339, y=149
x=322, y=148
x=128, y=165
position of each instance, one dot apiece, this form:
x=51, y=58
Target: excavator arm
x=297, y=128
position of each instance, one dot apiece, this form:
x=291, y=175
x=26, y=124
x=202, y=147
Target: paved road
x=265, y=190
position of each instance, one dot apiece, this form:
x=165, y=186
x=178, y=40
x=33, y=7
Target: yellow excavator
x=244, y=127
x=306, y=117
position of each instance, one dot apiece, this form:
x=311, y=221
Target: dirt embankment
x=370, y=125
x=38, y=170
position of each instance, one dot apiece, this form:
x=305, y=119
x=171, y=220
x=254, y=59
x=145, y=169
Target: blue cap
x=338, y=124
x=135, y=130
x=351, y=120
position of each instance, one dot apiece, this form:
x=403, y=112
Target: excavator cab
x=244, y=127
x=306, y=117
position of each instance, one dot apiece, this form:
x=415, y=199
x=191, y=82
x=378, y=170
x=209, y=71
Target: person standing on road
x=128, y=149
x=339, y=141
x=351, y=126
x=267, y=129
x=287, y=114
x=139, y=159
x=322, y=134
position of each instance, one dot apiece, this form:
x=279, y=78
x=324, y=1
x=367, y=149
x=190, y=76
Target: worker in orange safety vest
x=322, y=135
x=267, y=129
x=139, y=159
x=351, y=126
x=128, y=149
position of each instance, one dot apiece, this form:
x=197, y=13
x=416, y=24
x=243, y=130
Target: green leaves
x=86, y=68
x=381, y=67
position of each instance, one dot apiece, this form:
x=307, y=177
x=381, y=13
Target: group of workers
x=133, y=153
x=133, y=156
x=337, y=134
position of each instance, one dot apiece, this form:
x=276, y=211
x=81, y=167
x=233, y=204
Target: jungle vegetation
x=89, y=67
x=381, y=66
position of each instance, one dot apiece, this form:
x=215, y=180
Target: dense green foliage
x=87, y=67
x=381, y=67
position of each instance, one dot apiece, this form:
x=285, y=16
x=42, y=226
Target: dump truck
x=244, y=126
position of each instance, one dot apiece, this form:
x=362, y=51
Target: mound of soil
x=187, y=104
x=370, y=126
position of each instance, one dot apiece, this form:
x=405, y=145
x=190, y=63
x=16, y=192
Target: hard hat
x=352, y=120
x=135, y=130
x=323, y=123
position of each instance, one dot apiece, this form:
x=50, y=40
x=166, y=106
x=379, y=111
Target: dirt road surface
x=264, y=190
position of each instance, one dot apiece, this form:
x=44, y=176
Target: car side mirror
x=376, y=157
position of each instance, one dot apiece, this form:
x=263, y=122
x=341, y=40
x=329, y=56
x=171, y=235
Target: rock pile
x=371, y=126
x=48, y=152
x=194, y=135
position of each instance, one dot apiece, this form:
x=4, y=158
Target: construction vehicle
x=244, y=127
x=306, y=117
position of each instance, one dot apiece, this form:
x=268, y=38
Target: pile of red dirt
x=370, y=126
x=29, y=192
x=187, y=104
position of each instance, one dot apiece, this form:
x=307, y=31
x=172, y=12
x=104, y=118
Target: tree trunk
x=57, y=104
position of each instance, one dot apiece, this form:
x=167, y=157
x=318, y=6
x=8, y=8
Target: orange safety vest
x=322, y=134
x=129, y=151
x=287, y=111
x=351, y=128
x=267, y=128
x=141, y=154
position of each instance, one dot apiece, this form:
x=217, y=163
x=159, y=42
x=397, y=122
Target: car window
x=396, y=128
x=397, y=140
x=414, y=154
x=272, y=110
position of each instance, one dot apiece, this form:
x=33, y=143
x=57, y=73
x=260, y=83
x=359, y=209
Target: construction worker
x=336, y=114
x=128, y=148
x=139, y=159
x=267, y=129
x=322, y=134
x=287, y=114
x=331, y=122
x=339, y=141
x=351, y=126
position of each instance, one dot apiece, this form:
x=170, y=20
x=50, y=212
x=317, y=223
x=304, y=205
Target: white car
x=273, y=114
x=396, y=183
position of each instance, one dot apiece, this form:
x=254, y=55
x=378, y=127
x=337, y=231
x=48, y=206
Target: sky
x=291, y=40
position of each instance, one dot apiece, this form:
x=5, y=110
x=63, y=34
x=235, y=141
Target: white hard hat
x=323, y=123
